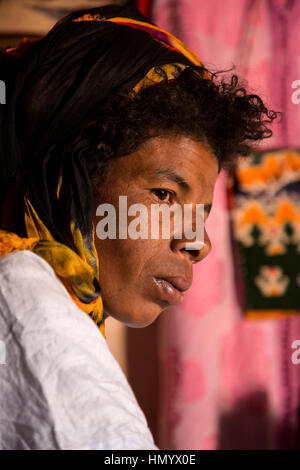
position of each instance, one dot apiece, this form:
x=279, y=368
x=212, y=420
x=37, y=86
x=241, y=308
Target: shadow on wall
x=249, y=425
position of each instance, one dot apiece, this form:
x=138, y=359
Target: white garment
x=60, y=388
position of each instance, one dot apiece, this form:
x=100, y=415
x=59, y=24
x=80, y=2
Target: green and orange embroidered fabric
x=264, y=199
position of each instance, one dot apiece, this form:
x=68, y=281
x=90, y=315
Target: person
x=106, y=105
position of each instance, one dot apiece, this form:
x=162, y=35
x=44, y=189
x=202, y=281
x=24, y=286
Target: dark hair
x=218, y=111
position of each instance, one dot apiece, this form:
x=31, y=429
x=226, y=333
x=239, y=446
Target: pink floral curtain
x=228, y=382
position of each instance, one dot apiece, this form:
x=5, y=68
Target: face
x=141, y=277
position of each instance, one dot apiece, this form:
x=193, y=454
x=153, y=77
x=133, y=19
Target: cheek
x=126, y=269
x=125, y=261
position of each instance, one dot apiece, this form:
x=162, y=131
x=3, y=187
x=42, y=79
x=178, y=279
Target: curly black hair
x=220, y=112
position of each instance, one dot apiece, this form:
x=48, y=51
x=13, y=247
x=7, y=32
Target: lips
x=180, y=283
x=170, y=288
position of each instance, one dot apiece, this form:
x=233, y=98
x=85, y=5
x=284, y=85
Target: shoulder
x=35, y=303
x=61, y=378
x=25, y=280
x=32, y=295
x=23, y=258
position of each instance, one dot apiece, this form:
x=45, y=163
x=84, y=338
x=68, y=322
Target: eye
x=163, y=194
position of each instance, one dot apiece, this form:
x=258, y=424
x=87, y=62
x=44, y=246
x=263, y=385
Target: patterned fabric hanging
x=265, y=210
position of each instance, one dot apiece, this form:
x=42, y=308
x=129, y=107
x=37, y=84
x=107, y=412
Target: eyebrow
x=173, y=176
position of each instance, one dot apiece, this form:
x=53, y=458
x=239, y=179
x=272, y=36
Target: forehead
x=158, y=157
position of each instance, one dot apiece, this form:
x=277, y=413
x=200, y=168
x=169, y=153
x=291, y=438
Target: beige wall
x=36, y=17
x=116, y=338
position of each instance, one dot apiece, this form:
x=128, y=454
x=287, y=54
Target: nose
x=195, y=255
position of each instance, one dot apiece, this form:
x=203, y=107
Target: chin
x=137, y=320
